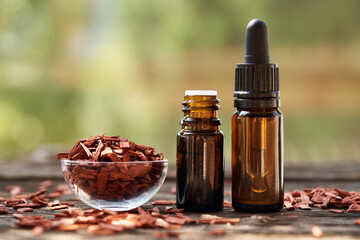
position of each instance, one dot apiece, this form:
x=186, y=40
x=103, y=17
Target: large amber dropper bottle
x=200, y=154
x=257, y=128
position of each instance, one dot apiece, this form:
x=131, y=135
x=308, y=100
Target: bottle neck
x=260, y=110
x=201, y=113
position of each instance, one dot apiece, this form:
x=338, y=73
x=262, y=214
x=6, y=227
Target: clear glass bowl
x=118, y=186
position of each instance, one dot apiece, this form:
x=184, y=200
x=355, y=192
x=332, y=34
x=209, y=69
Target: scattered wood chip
x=11, y=203
x=25, y=209
x=357, y=221
x=326, y=202
x=337, y=210
x=316, y=231
x=355, y=208
x=289, y=206
x=218, y=232
x=59, y=207
x=160, y=235
x=39, y=201
x=227, y=204
x=3, y=210
x=343, y=193
x=169, y=209
x=322, y=198
x=163, y=202
x=27, y=205
x=212, y=219
x=304, y=205
x=175, y=220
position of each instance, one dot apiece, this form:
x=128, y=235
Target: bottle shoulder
x=272, y=112
x=184, y=132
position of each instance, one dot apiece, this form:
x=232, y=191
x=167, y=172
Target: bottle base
x=201, y=208
x=239, y=207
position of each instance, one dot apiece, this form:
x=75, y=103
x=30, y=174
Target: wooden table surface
x=281, y=225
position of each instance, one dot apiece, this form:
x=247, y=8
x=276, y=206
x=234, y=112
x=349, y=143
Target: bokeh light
x=73, y=69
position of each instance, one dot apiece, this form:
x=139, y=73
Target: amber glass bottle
x=257, y=128
x=200, y=155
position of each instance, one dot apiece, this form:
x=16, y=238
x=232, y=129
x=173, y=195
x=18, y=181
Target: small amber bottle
x=200, y=154
x=257, y=128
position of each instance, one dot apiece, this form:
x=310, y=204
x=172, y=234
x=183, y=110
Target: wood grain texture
x=30, y=171
x=280, y=225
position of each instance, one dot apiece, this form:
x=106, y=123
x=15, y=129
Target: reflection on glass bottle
x=256, y=165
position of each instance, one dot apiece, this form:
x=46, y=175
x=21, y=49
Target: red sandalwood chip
x=173, y=234
x=217, y=232
x=169, y=209
x=27, y=205
x=326, y=202
x=11, y=203
x=304, y=205
x=175, y=220
x=342, y=193
x=337, y=210
x=227, y=204
x=289, y=206
x=163, y=202
x=355, y=208
x=17, y=215
x=25, y=209
x=59, y=207
x=186, y=218
x=212, y=219
x=3, y=210
x=37, y=193
x=39, y=201
x=69, y=227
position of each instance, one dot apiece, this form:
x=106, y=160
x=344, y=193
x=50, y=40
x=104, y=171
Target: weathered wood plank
x=46, y=166
x=279, y=225
x=31, y=170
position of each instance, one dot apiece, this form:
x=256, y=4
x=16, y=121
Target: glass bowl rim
x=67, y=161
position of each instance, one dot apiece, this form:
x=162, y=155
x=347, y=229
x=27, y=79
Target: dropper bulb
x=257, y=42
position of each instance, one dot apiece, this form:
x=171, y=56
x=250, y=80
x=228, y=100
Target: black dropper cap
x=257, y=80
x=257, y=42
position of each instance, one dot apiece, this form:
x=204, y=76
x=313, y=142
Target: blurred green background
x=70, y=69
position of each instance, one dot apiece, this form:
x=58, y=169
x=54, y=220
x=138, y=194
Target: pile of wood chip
x=110, y=149
x=336, y=199
x=131, y=174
